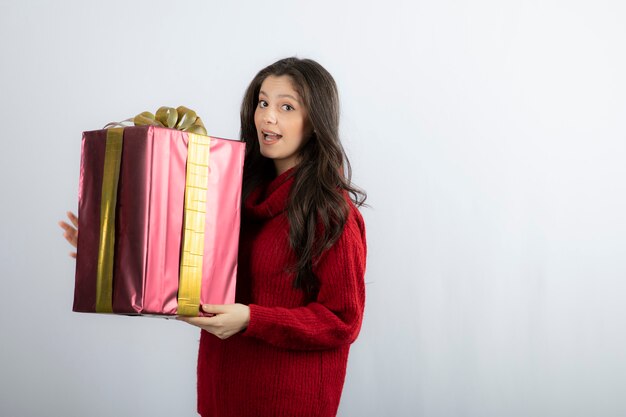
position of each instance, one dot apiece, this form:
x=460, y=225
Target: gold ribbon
x=196, y=183
x=108, y=201
x=180, y=118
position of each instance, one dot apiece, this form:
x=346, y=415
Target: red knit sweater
x=291, y=360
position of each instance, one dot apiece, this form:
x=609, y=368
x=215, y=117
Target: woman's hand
x=228, y=319
x=71, y=233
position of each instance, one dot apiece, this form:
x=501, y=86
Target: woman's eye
x=287, y=107
x=262, y=103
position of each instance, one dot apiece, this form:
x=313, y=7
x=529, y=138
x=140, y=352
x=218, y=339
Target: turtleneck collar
x=270, y=199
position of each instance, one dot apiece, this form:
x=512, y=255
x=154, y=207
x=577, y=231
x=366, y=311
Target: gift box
x=159, y=213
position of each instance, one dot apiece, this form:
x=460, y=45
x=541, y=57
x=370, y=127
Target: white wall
x=489, y=135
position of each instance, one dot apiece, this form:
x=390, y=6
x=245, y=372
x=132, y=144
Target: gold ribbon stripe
x=194, y=219
x=112, y=159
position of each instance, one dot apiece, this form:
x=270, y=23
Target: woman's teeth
x=272, y=136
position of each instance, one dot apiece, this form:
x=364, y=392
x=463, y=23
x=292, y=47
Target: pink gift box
x=149, y=221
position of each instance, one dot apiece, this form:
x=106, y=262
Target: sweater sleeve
x=334, y=319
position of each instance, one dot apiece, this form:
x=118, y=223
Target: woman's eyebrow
x=289, y=96
x=281, y=96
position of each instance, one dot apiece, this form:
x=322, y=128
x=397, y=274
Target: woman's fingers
x=71, y=234
x=69, y=230
x=66, y=227
x=73, y=218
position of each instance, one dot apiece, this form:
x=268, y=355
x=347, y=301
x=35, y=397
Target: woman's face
x=281, y=122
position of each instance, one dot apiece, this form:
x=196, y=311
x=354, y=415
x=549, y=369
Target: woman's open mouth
x=270, y=137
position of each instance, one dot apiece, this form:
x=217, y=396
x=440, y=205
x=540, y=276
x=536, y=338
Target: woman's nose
x=269, y=116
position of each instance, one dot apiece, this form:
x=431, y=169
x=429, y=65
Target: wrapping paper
x=149, y=221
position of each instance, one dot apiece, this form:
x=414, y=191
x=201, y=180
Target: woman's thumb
x=214, y=309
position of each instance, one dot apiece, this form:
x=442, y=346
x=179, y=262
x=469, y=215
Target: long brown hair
x=317, y=208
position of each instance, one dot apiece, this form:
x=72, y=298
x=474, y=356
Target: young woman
x=282, y=350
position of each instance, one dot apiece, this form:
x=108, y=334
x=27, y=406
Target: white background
x=489, y=135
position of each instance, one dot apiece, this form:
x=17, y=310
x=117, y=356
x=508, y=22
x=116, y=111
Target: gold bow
x=180, y=118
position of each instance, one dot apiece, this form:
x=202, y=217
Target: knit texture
x=291, y=360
